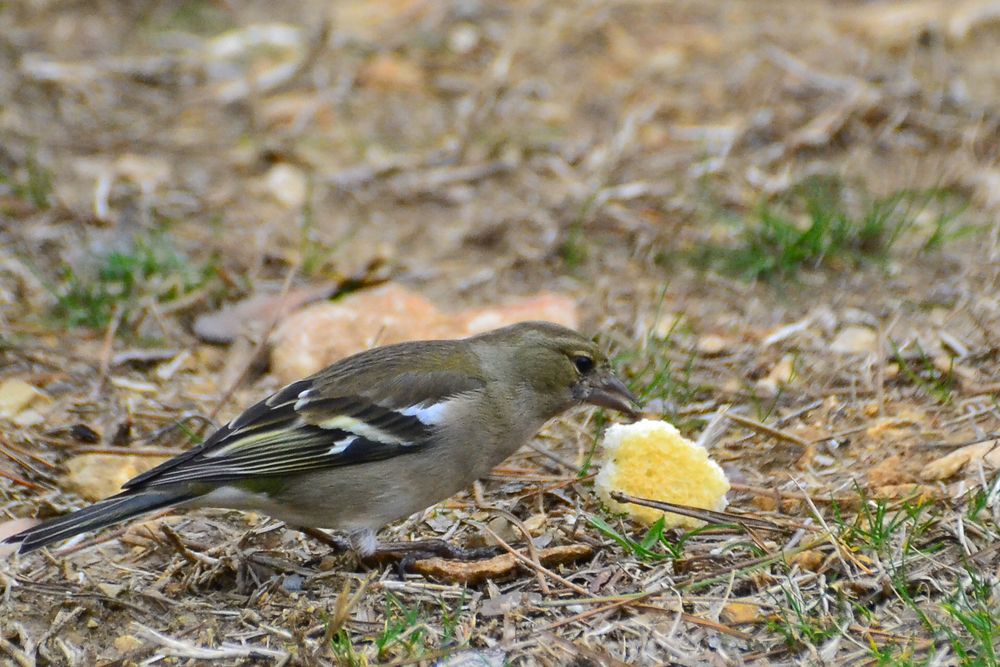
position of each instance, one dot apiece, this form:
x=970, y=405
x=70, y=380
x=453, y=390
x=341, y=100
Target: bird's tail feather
x=104, y=513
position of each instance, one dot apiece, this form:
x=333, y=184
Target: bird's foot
x=336, y=542
x=403, y=554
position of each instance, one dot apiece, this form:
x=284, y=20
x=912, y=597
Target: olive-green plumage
x=374, y=437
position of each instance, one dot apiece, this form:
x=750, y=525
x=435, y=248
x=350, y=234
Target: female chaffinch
x=375, y=437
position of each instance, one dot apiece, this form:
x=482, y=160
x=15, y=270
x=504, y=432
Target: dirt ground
x=161, y=159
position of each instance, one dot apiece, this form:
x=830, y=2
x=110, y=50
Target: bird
x=373, y=438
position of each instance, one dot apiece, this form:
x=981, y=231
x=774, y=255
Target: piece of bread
x=651, y=459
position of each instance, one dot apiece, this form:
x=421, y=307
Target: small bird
x=375, y=437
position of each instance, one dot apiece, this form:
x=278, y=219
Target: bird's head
x=563, y=368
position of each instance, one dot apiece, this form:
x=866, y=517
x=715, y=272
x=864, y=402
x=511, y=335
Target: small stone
x=549, y=307
x=16, y=395
x=387, y=314
x=740, y=613
x=463, y=38
x=888, y=471
x=392, y=313
x=29, y=417
x=292, y=583
x=127, y=643
x=109, y=589
x=810, y=559
x=765, y=503
x=390, y=72
x=288, y=185
x=667, y=324
x=711, y=345
x=536, y=523
x=855, y=340
x=783, y=371
x=944, y=364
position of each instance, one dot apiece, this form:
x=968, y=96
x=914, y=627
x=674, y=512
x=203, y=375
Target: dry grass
x=636, y=155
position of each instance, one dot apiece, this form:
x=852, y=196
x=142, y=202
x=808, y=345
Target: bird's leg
x=372, y=552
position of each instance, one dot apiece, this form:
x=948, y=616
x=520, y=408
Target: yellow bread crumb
x=651, y=459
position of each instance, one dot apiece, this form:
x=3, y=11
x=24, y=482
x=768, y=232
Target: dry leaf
x=498, y=567
x=946, y=466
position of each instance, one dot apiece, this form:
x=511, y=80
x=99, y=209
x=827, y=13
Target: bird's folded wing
x=308, y=425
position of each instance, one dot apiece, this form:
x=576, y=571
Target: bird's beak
x=610, y=392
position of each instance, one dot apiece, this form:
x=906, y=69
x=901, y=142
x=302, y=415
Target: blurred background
x=481, y=149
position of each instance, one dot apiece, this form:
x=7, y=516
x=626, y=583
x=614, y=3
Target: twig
x=549, y=454
x=532, y=564
x=838, y=547
x=700, y=582
x=779, y=495
x=597, y=610
x=709, y=516
x=113, y=535
x=532, y=552
x=15, y=653
x=345, y=603
x=582, y=654
x=809, y=407
x=760, y=427
x=125, y=451
x=697, y=620
x=5, y=448
x=178, y=544
x=187, y=650
x=839, y=435
x=23, y=482
x=107, y=348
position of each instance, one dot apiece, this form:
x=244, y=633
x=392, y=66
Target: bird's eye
x=583, y=363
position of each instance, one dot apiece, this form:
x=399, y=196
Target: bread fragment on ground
x=651, y=459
